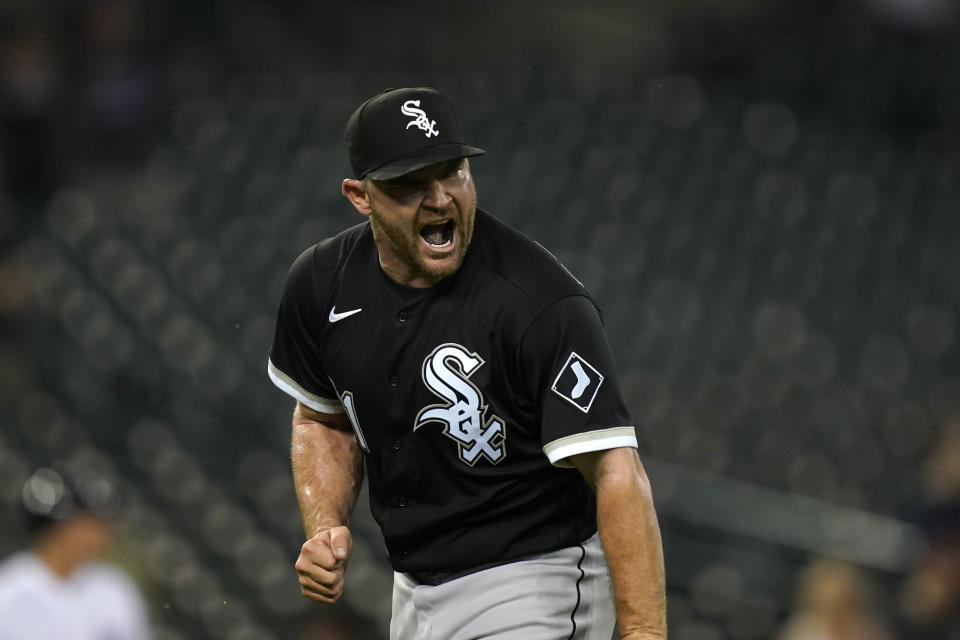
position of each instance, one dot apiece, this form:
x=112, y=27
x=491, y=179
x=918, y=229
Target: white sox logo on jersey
x=420, y=121
x=578, y=382
x=446, y=372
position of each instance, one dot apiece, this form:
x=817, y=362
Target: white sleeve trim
x=559, y=450
x=289, y=386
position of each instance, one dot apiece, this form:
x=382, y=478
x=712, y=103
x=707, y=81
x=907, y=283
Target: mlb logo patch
x=577, y=382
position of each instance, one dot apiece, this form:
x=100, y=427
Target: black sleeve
x=573, y=376
x=294, y=364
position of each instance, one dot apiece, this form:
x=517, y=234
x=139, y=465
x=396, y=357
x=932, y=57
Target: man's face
x=82, y=537
x=423, y=221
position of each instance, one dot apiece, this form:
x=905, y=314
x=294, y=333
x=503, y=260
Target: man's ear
x=354, y=191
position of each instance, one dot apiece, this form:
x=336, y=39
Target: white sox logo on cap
x=383, y=146
x=420, y=119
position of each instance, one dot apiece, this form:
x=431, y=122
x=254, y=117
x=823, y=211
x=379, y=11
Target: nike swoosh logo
x=337, y=317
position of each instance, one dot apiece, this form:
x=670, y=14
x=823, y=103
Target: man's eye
x=399, y=185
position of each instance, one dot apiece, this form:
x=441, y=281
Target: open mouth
x=438, y=234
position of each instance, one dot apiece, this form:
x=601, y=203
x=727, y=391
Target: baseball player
x=460, y=364
x=58, y=589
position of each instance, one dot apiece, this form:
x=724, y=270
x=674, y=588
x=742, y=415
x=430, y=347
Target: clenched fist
x=322, y=562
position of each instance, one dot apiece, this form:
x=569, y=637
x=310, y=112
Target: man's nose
x=436, y=197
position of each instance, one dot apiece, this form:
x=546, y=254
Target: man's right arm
x=327, y=473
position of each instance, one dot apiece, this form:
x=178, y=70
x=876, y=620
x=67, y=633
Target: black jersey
x=466, y=397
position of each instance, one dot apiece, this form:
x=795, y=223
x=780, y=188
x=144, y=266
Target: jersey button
x=402, y=501
x=396, y=445
x=394, y=381
x=402, y=316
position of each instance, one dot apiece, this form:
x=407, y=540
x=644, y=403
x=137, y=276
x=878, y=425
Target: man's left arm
x=630, y=534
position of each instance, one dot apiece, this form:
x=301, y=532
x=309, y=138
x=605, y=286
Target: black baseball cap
x=51, y=495
x=402, y=130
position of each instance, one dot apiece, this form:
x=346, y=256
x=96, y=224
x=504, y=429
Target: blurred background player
x=833, y=603
x=930, y=596
x=58, y=588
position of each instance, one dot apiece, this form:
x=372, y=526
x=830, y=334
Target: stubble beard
x=407, y=249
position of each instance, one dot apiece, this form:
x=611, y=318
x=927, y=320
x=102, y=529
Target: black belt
x=434, y=578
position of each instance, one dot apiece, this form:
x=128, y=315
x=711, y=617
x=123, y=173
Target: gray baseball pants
x=561, y=595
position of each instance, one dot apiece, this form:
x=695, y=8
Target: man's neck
x=405, y=277
x=61, y=559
